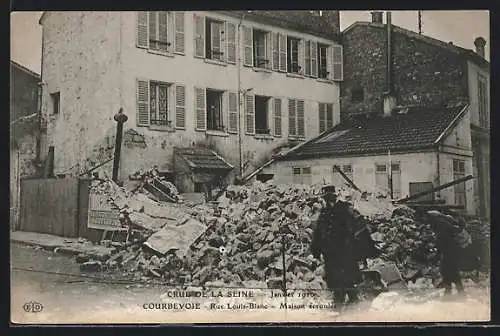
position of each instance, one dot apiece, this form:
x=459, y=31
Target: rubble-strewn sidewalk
x=73, y=246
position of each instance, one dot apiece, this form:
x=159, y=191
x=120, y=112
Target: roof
x=302, y=20
x=468, y=53
x=23, y=68
x=419, y=128
x=203, y=158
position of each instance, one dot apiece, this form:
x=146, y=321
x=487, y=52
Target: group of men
x=342, y=237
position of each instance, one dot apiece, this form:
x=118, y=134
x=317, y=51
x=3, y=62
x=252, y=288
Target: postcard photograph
x=236, y=166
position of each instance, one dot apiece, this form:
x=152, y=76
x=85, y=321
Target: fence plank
x=50, y=206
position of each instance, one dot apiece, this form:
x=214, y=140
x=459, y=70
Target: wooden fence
x=54, y=206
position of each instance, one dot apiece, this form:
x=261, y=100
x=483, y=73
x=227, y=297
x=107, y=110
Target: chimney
x=480, y=43
x=377, y=17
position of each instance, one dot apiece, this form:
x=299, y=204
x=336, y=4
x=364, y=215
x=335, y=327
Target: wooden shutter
x=201, y=109
x=199, y=36
x=179, y=32
x=153, y=29
x=300, y=118
x=292, y=117
x=322, y=117
x=282, y=51
x=329, y=116
x=180, y=106
x=247, y=46
x=142, y=39
x=250, y=113
x=231, y=42
x=233, y=112
x=277, y=117
x=337, y=63
x=275, y=52
x=215, y=35
x=307, y=58
x=142, y=102
x=300, y=56
x=163, y=31
x=314, y=59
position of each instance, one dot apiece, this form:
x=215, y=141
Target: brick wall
x=423, y=73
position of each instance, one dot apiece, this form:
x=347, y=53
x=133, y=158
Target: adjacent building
x=242, y=84
x=412, y=100
x=24, y=130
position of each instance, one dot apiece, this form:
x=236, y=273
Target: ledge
x=216, y=133
x=257, y=69
x=324, y=80
x=294, y=75
x=161, y=128
x=161, y=53
x=211, y=61
x=263, y=137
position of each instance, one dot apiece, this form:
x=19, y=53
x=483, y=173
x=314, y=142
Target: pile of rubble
x=258, y=236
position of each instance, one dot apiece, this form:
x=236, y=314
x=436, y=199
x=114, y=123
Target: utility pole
x=120, y=119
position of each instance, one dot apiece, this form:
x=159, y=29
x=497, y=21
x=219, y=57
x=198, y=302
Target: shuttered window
x=180, y=106
x=275, y=51
x=324, y=66
x=233, y=112
x=199, y=36
x=314, y=60
x=231, y=42
x=293, y=52
x=250, y=113
x=307, y=58
x=337, y=63
x=179, y=32
x=459, y=189
x=159, y=30
x=247, y=46
x=283, y=53
x=325, y=116
x=302, y=175
x=296, y=118
x=158, y=104
x=201, y=111
x=277, y=117
x=261, y=57
x=142, y=103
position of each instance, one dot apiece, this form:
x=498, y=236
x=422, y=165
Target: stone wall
x=424, y=73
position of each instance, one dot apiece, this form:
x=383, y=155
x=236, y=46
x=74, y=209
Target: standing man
x=447, y=231
x=340, y=237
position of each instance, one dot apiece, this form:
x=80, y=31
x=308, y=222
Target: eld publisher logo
x=32, y=307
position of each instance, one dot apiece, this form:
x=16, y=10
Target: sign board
x=102, y=215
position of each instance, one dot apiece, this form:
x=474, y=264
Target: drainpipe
x=389, y=53
x=240, y=97
x=38, y=148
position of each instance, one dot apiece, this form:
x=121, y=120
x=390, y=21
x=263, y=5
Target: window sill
x=257, y=69
x=211, y=61
x=296, y=138
x=161, y=53
x=162, y=128
x=263, y=137
x=324, y=80
x=294, y=75
x=216, y=133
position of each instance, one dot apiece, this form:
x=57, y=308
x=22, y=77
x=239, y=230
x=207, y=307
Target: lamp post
x=120, y=119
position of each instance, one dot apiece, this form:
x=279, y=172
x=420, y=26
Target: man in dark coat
x=447, y=230
x=343, y=240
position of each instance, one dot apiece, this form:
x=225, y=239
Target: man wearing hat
x=337, y=238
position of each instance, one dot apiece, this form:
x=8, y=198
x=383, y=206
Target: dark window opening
x=214, y=32
x=262, y=115
x=199, y=187
x=214, y=111
x=158, y=107
x=260, y=58
x=168, y=176
x=56, y=102
x=322, y=61
x=357, y=95
x=264, y=177
x=293, y=55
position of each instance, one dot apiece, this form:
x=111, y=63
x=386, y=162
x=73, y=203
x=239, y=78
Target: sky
x=460, y=27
